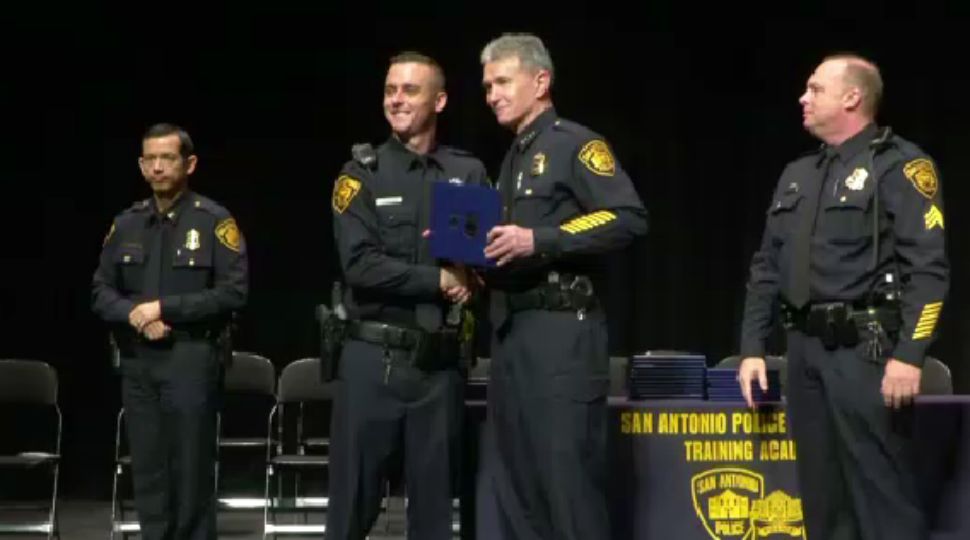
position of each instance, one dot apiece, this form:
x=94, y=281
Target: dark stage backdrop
x=701, y=107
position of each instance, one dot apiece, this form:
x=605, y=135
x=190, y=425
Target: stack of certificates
x=667, y=376
x=723, y=385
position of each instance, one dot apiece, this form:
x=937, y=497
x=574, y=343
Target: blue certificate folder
x=461, y=217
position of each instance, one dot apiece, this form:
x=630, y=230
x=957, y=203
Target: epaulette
x=365, y=155
x=208, y=205
x=456, y=151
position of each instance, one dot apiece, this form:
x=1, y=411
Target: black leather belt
x=565, y=293
x=389, y=335
x=429, y=351
x=839, y=323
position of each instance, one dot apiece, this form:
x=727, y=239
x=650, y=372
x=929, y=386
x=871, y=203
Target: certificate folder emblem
x=461, y=216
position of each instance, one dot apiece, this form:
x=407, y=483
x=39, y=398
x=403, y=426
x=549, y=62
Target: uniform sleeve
x=230, y=287
x=614, y=214
x=107, y=302
x=761, y=290
x=914, y=200
x=358, y=241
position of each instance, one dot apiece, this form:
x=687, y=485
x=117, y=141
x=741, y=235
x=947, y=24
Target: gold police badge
x=923, y=176
x=228, y=234
x=857, y=180
x=344, y=191
x=596, y=156
x=538, y=164
x=192, y=240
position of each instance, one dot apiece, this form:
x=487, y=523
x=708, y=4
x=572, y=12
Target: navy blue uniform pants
x=375, y=412
x=548, y=424
x=171, y=398
x=855, y=454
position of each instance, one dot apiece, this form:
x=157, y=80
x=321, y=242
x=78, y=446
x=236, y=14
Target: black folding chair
x=294, y=450
x=28, y=390
x=249, y=392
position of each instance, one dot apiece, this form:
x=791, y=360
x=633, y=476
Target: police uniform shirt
x=379, y=216
x=192, y=258
x=911, y=239
x=561, y=180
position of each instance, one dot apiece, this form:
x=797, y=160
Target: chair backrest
x=936, y=378
x=28, y=381
x=250, y=373
x=618, y=375
x=300, y=381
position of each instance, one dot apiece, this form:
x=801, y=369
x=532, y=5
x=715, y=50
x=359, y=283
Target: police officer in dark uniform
x=173, y=269
x=853, y=254
x=566, y=201
x=399, y=377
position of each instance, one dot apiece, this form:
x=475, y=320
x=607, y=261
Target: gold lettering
x=723, y=450
x=777, y=450
x=625, y=423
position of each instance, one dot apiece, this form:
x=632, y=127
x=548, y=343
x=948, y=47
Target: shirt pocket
x=398, y=230
x=192, y=268
x=846, y=220
x=130, y=261
x=783, y=214
x=535, y=203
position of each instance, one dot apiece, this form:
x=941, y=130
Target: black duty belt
x=839, y=323
x=429, y=350
x=559, y=293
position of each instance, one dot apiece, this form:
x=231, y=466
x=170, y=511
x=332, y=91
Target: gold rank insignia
x=927, y=320
x=538, y=164
x=597, y=158
x=228, y=234
x=923, y=176
x=857, y=180
x=933, y=218
x=107, y=237
x=192, y=240
x=344, y=191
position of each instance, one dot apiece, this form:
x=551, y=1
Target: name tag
x=389, y=201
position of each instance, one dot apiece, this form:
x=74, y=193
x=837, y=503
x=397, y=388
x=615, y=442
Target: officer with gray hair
x=566, y=202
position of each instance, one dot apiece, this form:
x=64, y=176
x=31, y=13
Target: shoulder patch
x=107, y=237
x=228, y=234
x=596, y=156
x=344, y=191
x=922, y=175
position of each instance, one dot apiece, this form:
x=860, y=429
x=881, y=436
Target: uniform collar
x=411, y=159
x=851, y=147
x=177, y=209
x=541, y=122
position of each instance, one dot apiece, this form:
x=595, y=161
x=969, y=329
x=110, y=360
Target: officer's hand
x=156, y=330
x=752, y=368
x=900, y=383
x=144, y=314
x=454, y=284
x=508, y=242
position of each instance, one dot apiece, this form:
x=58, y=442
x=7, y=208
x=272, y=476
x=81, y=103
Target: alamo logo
x=730, y=502
x=779, y=514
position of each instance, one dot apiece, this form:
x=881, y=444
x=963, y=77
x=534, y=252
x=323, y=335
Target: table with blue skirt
x=698, y=469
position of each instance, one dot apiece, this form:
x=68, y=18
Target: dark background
x=700, y=104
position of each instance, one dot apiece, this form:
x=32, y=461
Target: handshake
x=458, y=283
x=146, y=319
